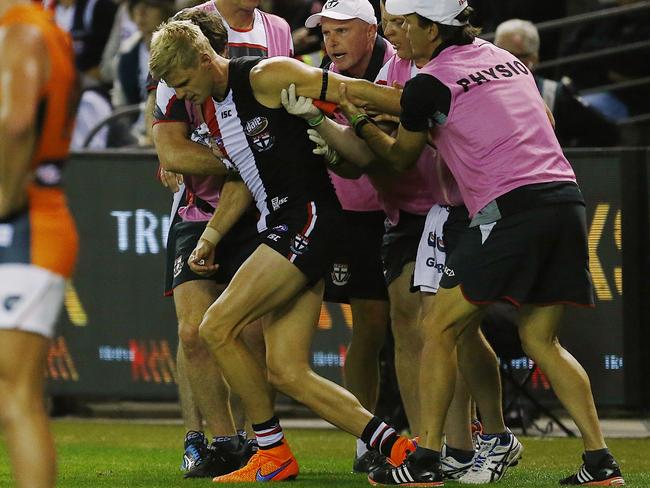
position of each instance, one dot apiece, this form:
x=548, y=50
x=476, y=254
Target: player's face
x=348, y=43
x=394, y=31
x=192, y=84
x=421, y=38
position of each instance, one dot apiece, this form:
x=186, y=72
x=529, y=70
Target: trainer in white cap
x=344, y=10
x=440, y=11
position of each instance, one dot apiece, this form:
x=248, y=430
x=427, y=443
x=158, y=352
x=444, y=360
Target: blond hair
x=176, y=45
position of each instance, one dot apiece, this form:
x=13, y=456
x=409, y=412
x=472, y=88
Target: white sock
x=361, y=448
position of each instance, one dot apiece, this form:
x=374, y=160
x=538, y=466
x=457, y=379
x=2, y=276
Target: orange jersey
x=51, y=237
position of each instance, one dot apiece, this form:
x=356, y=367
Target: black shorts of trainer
x=307, y=235
x=357, y=271
x=400, y=244
x=231, y=252
x=535, y=256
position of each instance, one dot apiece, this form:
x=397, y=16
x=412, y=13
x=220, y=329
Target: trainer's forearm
x=386, y=149
x=346, y=143
x=379, y=98
x=180, y=155
x=235, y=199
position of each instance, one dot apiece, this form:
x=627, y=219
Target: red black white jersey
x=268, y=147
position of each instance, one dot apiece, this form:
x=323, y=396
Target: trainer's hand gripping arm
x=399, y=154
x=270, y=76
x=23, y=73
x=234, y=201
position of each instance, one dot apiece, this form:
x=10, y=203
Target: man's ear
x=204, y=59
x=372, y=31
x=433, y=31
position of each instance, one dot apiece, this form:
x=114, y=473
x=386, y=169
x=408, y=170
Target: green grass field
x=115, y=454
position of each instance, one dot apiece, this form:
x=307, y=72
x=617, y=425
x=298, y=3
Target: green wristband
x=356, y=118
x=316, y=121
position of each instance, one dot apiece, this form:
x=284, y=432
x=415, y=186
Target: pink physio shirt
x=496, y=136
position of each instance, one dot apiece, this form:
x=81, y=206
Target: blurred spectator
x=123, y=28
x=133, y=60
x=94, y=106
x=295, y=12
x=577, y=124
x=89, y=22
x=615, y=31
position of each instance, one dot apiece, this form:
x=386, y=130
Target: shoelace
x=196, y=454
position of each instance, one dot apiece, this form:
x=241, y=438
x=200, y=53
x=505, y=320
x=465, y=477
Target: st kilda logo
x=259, y=134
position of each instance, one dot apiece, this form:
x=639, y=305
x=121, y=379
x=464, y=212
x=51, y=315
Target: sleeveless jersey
x=496, y=136
x=430, y=181
x=360, y=195
x=50, y=238
x=270, y=36
x=268, y=147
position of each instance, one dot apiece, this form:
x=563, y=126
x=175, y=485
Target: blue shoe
x=196, y=453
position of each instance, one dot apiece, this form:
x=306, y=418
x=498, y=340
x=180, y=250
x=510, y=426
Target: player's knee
x=536, y=346
x=285, y=378
x=15, y=402
x=188, y=334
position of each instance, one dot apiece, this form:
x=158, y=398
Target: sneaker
x=452, y=469
x=275, y=464
x=409, y=473
x=249, y=449
x=607, y=473
x=196, y=451
x=224, y=456
x=477, y=428
x=401, y=449
x=368, y=461
x=492, y=459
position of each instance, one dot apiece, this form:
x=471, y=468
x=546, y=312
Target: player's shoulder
x=28, y=36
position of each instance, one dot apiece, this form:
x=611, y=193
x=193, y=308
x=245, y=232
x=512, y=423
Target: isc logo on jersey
x=257, y=130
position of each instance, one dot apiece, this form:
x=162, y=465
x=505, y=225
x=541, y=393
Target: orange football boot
x=401, y=449
x=275, y=464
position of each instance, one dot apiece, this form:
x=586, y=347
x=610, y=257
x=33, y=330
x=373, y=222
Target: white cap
x=344, y=10
x=441, y=11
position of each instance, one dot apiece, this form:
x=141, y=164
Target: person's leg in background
x=405, y=317
x=22, y=408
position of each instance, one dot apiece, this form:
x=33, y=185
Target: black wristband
x=360, y=124
x=323, y=88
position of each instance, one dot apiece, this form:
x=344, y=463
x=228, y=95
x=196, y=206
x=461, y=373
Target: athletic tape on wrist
x=212, y=235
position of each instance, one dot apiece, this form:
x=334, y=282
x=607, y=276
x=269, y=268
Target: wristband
x=356, y=118
x=323, y=88
x=212, y=235
x=360, y=123
x=316, y=121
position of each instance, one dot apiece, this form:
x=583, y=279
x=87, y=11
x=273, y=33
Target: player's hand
x=392, y=119
x=323, y=148
x=171, y=180
x=349, y=109
x=299, y=106
x=201, y=260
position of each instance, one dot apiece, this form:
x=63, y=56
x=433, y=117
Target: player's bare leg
x=192, y=419
x=209, y=389
x=22, y=412
x=361, y=373
x=405, y=310
x=268, y=283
